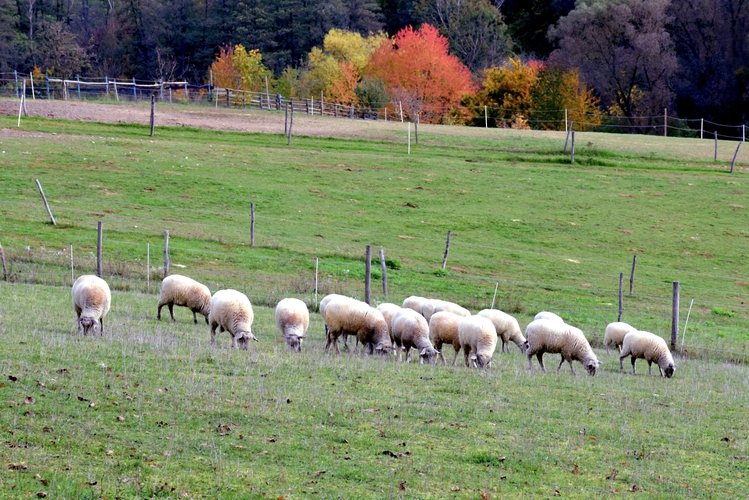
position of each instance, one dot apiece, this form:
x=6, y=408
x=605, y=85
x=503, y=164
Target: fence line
x=12, y=84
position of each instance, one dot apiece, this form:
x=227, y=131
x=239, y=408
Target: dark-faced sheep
x=231, y=311
x=292, y=318
x=91, y=301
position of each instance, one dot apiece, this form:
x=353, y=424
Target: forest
x=443, y=58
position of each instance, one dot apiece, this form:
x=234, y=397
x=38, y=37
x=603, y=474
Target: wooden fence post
x=166, y=253
x=286, y=120
x=252, y=224
x=46, y=205
x=632, y=275
x=715, y=156
x=567, y=139
x=621, y=301
x=383, y=266
x=5, y=267
x=735, y=155
x=368, y=276
x=572, y=148
x=99, y=241
x=153, y=112
x=72, y=268
x=291, y=124
x=447, y=249
x=317, y=265
x=675, y=316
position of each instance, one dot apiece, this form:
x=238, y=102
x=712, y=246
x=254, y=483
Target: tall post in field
x=665, y=122
x=447, y=249
x=286, y=120
x=368, y=276
x=632, y=275
x=496, y=287
x=46, y=205
x=715, y=156
x=384, y=272
x=99, y=241
x=291, y=124
x=153, y=112
x=72, y=269
x=565, y=119
x=166, y=253
x=567, y=139
x=317, y=265
x=621, y=301
x=148, y=267
x=572, y=148
x=252, y=224
x=675, y=316
x=486, y=117
x=735, y=155
x=5, y=267
x=702, y=126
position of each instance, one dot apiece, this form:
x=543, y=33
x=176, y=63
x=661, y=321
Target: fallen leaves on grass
x=29, y=400
x=613, y=475
x=395, y=455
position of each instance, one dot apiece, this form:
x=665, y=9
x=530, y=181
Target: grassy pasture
x=152, y=411
x=208, y=422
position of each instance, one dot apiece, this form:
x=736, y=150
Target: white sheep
x=231, y=311
x=354, y=317
x=436, y=305
x=178, y=290
x=615, y=333
x=507, y=328
x=478, y=339
x=411, y=331
x=650, y=347
x=388, y=309
x=91, y=301
x=548, y=315
x=292, y=318
x=323, y=304
x=415, y=302
x=443, y=329
x=548, y=335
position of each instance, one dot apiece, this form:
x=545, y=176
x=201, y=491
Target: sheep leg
x=540, y=357
x=158, y=312
x=633, y=365
x=194, y=317
x=621, y=363
x=408, y=354
x=650, y=367
x=466, y=352
x=561, y=362
x=101, y=326
x=171, y=310
x=455, y=358
x=213, y=333
x=607, y=349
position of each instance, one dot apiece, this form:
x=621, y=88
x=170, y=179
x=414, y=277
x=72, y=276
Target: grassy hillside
x=151, y=410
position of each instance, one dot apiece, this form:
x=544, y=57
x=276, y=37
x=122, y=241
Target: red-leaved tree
x=420, y=73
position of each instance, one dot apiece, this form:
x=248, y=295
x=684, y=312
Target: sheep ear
x=423, y=352
x=252, y=337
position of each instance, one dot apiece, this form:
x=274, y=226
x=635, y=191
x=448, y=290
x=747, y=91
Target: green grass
x=182, y=417
x=215, y=423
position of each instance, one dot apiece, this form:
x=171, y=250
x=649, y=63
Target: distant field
x=151, y=410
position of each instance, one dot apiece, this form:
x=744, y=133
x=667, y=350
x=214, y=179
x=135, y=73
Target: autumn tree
x=236, y=68
x=335, y=68
x=557, y=90
x=623, y=50
x=420, y=72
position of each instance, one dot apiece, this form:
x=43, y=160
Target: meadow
x=151, y=410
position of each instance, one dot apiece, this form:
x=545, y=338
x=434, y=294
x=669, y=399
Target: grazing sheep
x=177, y=290
x=548, y=315
x=231, y=311
x=650, y=347
x=478, y=339
x=292, y=318
x=435, y=306
x=411, y=330
x=507, y=328
x=387, y=309
x=415, y=302
x=323, y=304
x=91, y=301
x=615, y=333
x=353, y=317
x=547, y=335
x=443, y=329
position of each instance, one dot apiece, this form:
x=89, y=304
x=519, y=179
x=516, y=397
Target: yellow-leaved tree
x=237, y=68
x=335, y=70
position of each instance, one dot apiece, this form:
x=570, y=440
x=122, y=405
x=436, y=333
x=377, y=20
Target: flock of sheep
x=422, y=324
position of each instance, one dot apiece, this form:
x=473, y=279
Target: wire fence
x=18, y=85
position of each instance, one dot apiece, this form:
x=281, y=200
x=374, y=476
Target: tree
x=475, y=28
x=236, y=68
x=556, y=90
x=58, y=51
x=529, y=21
x=420, y=72
x=623, y=50
x=710, y=38
x=397, y=14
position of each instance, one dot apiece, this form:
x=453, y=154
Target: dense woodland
x=636, y=56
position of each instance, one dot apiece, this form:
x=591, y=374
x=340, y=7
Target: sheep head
x=87, y=323
x=428, y=355
x=591, y=365
x=668, y=372
x=481, y=360
x=294, y=342
x=244, y=339
x=524, y=346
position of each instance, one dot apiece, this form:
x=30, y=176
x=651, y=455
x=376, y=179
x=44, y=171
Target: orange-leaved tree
x=557, y=90
x=237, y=68
x=420, y=73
